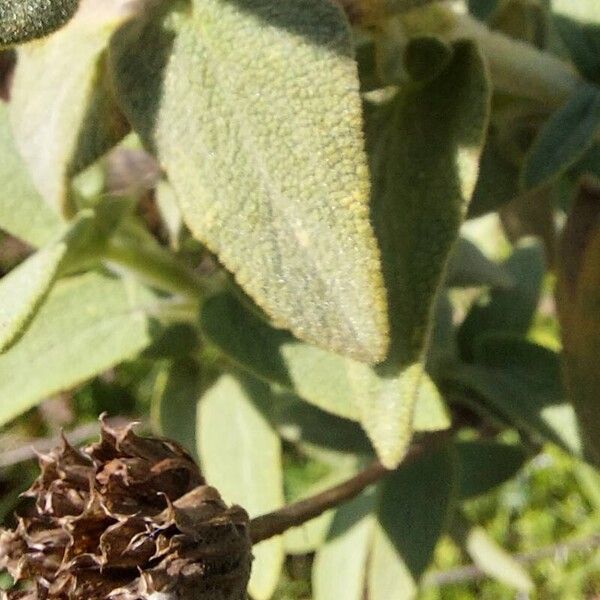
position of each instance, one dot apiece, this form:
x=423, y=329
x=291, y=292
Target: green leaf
x=66, y=68
x=578, y=299
x=23, y=212
x=175, y=401
x=329, y=381
x=311, y=535
x=88, y=324
x=413, y=511
x=469, y=267
x=315, y=375
x=299, y=241
x=241, y=456
x=565, y=138
x=24, y=288
x=299, y=422
x=24, y=20
x=498, y=181
x=522, y=381
x=435, y=129
x=485, y=465
x=578, y=23
x=508, y=310
x=340, y=565
x=494, y=561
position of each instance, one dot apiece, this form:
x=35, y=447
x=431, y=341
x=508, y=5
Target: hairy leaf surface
x=62, y=110
x=271, y=174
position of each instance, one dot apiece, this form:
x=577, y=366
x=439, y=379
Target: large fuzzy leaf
x=241, y=456
x=23, y=20
x=88, y=324
x=271, y=174
x=63, y=76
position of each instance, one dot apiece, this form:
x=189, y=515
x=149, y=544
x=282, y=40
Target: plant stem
x=155, y=267
x=294, y=515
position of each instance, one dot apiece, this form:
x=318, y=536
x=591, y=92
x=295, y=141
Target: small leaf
x=413, y=510
x=578, y=23
x=67, y=68
x=274, y=177
x=496, y=562
x=23, y=212
x=565, y=138
x=341, y=564
x=485, y=465
x=24, y=20
x=468, y=266
x=578, y=299
x=522, y=381
x=175, y=401
x=241, y=456
x=508, y=310
x=87, y=324
x=498, y=181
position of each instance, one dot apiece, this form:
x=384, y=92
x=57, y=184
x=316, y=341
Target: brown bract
x=128, y=518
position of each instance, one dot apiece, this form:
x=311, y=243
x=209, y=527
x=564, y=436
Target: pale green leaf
x=88, y=324
x=63, y=76
x=485, y=465
x=24, y=288
x=496, y=562
x=241, y=456
x=175, y=400
x=565, y=138
x=431, y=412
x=23, y=20
x=341, y=564
x=271, y=176
x=413, y=510
x=23, y=212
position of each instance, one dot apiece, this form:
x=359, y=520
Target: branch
x=294, y=515
x=471, y=573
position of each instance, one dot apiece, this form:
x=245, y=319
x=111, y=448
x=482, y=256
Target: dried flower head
x=128, y=518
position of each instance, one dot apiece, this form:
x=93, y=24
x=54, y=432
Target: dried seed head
x=128, y=518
